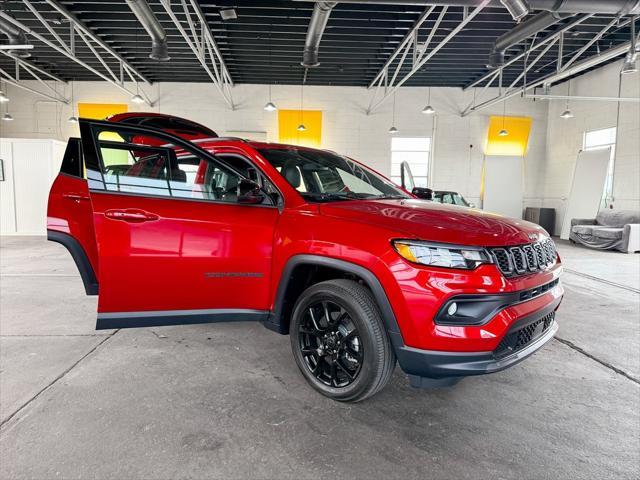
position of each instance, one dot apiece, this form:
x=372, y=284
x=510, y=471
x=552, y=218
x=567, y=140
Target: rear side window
x=142, y=163
x=72, y=163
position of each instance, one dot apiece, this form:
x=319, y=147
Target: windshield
x=323, y=176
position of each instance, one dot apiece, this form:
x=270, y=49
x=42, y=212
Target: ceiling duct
x=16, y=37
x=610, y=7
x=144, y=14
x=521, y=32
x=554, y=11
x=317, y=24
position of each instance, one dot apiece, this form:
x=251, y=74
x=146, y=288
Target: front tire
x=339, y=341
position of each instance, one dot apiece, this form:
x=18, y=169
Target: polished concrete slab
x=227, y=401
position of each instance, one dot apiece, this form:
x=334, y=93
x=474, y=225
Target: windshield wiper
x=389, y=197
x=330, y=196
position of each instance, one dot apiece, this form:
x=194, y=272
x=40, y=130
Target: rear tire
x=339, y=341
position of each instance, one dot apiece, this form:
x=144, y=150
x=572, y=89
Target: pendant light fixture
x=301, y=127
x=567, y=113
x=7, y=116
x=429, y=110
x=72, y=118
x=137, y=98
x=270, y=106
x=504, y=132
x=393, y=130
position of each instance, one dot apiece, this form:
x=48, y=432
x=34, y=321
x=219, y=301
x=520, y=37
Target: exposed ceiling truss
x=20, y=65
x=201, y=42
x=374, y=45
x=567, y=64
x=387, y=79
x=66, y=45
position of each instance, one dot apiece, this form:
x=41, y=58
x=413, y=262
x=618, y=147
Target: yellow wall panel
x=515, y=143
x=288, y=121
x=100, y=111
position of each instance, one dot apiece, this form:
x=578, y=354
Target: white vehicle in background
x=451, y=198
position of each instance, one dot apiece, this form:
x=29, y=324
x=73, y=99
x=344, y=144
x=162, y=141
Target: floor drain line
x=573, y=346
x=601, y=280
x=55, y=380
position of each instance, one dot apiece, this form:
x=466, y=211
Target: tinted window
x=72, y=162
x=165, y=170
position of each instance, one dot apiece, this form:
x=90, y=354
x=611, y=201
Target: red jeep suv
x=173, y=225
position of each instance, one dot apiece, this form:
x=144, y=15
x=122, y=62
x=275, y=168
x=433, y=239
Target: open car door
x=178, y=239
x=69, y=215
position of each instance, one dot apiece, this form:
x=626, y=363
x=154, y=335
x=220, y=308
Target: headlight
x=441, y=255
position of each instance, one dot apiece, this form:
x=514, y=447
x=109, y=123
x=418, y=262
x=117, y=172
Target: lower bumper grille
x=520, y=338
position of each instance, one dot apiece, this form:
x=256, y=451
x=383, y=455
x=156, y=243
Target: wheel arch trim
x=274, y=322
x=79, y=257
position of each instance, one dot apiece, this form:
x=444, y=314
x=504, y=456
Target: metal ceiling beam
x=550, y=38
x=582, y=98
x=17, y=82
x=410, y=37
x=391, y=87
x=203, y=45
x=80, y=27
x=31, y=66
x=615, y=7
x=554, y=77
x=69, y=51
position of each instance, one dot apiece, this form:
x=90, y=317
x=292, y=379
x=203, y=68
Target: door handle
x=131, y=215
x=77, y=197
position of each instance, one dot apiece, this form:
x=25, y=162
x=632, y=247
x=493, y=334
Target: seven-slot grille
x=525, y=259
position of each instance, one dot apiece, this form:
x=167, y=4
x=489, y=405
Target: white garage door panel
x=31, y=167
x=503, y=186
x=588, y=185
x=7, y=206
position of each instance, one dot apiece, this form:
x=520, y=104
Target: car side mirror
x=472, y=205
x=249, y=192
x=423, y=193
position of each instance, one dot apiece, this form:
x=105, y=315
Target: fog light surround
x=472, y=310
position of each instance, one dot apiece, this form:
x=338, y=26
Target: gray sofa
x=611, y=229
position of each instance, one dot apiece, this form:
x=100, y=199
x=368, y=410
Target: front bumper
x=433, y=368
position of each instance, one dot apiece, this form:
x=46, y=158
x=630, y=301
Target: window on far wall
x=415, y=151
x=595, y=140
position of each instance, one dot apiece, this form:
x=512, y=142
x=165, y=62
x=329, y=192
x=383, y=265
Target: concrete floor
x=227, y=401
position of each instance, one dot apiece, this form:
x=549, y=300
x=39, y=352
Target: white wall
x=565, y=137
x=458, y=143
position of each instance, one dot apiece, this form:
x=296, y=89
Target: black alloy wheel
x=339, y=341
x=330, y=344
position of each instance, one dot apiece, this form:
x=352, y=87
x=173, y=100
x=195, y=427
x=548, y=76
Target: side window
x=149, y=165
x=72, y=163
x=248, y=170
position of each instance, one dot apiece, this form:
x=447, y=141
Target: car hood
x=425, y=220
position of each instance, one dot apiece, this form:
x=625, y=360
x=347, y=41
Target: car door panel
x=168, y=253
x=69, y=213
x=208, y=257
